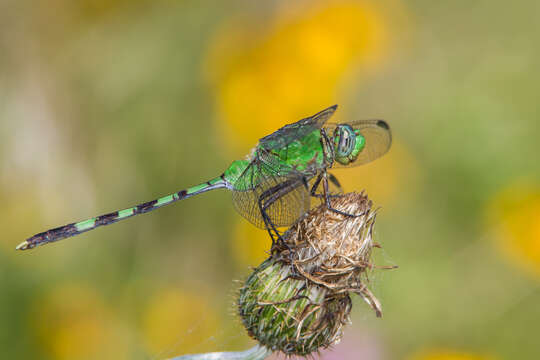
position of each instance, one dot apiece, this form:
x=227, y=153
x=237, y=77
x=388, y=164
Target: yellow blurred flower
x=441, y=354
x=291, y=66
x=175, y=320
x=514, y=217
x=250, y=245
x=72, y=322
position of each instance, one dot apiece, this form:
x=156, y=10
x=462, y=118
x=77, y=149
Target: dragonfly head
x=348, y=143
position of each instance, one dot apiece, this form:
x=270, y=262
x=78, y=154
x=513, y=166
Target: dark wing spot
x=182, y=193
x=107, y=218
x=383, y=124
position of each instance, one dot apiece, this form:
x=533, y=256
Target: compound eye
x=338, y=140
x=346, y=140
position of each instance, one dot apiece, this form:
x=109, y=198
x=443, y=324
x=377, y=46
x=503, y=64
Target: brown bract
x=334, y=250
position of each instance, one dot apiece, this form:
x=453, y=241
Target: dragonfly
x=276, y=183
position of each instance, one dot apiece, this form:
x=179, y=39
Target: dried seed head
x=297, y=301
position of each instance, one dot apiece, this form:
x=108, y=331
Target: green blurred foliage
x=107, y=104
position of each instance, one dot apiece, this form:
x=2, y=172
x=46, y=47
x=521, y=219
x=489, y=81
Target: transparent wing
x=378, y=140
x=283, y=190
x=291, y=132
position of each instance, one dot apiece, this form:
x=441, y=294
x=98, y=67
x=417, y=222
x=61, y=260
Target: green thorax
x=235, y=170
x=304, y=153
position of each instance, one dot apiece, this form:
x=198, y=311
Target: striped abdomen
x=77, y=228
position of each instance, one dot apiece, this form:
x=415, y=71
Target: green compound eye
x=347, y=144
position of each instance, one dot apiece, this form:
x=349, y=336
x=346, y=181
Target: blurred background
x=106, y=104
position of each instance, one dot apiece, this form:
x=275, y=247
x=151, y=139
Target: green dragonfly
x=274, y=186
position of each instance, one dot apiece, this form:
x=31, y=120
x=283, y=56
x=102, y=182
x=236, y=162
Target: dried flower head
x=298, y=300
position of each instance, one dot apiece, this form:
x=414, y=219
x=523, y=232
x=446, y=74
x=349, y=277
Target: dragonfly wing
x=291, y=132
x=283, y=190
x=378, y=140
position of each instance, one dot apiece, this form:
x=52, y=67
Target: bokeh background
x=105, y=104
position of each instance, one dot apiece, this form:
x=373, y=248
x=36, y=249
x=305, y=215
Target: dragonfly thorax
x=348, y=143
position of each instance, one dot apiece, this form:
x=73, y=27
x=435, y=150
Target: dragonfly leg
x=270, y=227
x=270, y=196
x=316, y=184
x=333, y=180
x=327, y=197
x=327, y=148
x=266, y=199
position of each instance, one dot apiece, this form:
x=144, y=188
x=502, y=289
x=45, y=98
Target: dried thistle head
x=298, y=300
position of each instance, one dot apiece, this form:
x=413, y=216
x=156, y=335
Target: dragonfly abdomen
x=77, y=228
